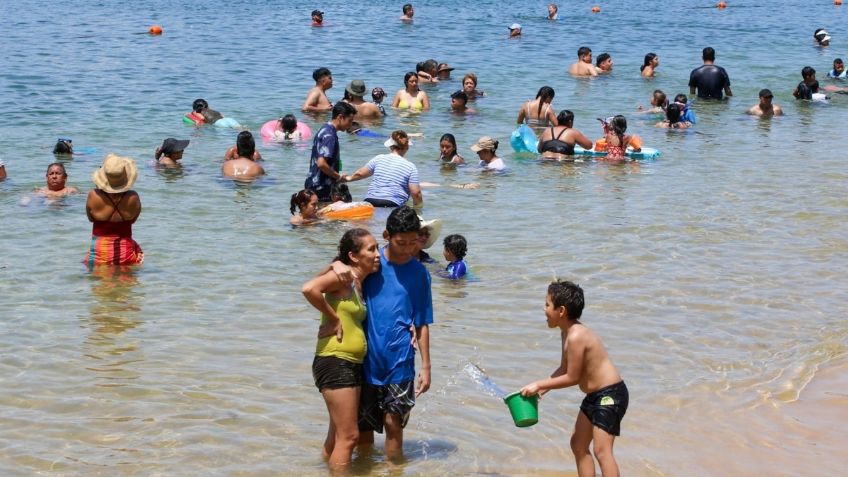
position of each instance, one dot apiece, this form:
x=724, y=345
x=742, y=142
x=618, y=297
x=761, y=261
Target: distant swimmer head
x=584, y=53
x=410, y=79
x=305, y=200
x=399, y=141
x=619, y=125
x=322, y=74
x=545, y=94
x=808, y=72
x=514, y=29
x=356, y=88
x=659, y=99
x=378, y=94
x=485, y=143
x=649, y=61
x=317, y=17
x=552, y=11
x=456, y=245
x=672, y=113
x=604, y=62
x=822, y=37
x=447, y=146
x=458, y=99
x=64, y=145
x=199, y=105
x=708, y=54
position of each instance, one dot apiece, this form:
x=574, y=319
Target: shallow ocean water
x=715, y=274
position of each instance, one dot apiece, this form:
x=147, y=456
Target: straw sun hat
x=116, y=175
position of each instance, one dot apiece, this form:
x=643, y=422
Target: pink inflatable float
x=272, y=131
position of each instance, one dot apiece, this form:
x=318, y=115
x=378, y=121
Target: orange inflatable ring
x=347, y=211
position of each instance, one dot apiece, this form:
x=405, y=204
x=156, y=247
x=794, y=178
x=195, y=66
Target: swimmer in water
x=583, y=66
x=616, y=141
x=765, y=107
x=243, y=167
x=316, y=99
x=317, y=18
x=652, y=61
x=659, y=101
x=306, y=202
x=459, y=102
x=686, y=112
x=234, y=153
x=377, y=96
x=469, y=85
x=538, y=112
x=354, y=93
x=408, y=13
x=553, y=12
x=410, y=97
x=821, y=37
x=557, y=142
x=287, y=129
x=604, y=64
x=673, y=121
x=838, y=70
x=447, y=150
x=443, y=72
x=455, y=249
x=170, y=152
x=3, y=170
x=196, y=114
x=64, y=147
x=809, y=86
x=514, y=30
x=486, y=149
x=56, y=178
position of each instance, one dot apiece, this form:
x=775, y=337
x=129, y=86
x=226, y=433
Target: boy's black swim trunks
x=606, y=407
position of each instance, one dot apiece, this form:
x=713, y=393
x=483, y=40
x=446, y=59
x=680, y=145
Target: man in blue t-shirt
x=399, y=303
x=325, y=163
x=709, y=79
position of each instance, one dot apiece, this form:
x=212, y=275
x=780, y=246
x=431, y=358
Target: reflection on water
x=113, y=312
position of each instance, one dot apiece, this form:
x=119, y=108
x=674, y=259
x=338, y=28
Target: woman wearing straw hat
x=112, y=208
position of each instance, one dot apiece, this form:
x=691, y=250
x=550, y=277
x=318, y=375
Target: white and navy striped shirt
x=391, y=177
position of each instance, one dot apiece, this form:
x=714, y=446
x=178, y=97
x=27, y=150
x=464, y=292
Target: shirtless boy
x=316, y=99
x=583, y=66
x=584, y=362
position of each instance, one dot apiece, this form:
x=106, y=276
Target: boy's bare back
x=589, y=358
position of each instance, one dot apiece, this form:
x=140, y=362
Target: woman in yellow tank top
x=341, y=347
x=410, y=97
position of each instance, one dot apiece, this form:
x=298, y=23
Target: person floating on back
x=584, y=362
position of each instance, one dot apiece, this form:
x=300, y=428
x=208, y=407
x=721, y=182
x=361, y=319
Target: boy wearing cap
x=583, y=66
x=316, y=99
x=765, y=107
x=354, y=92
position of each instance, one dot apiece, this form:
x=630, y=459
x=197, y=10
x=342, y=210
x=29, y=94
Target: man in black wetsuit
x=709, y=79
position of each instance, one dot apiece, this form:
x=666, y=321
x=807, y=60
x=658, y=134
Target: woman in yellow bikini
x=410, y=97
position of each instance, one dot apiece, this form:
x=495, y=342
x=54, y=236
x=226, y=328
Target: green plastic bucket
x=524, y=410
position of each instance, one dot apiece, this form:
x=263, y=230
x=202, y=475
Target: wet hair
x=660, y=98
x=300, y=199
x=672, y=113
x=63, y=146
x=351, y=242
x=808, y=71
x=648, y=59
x=583, y=50
x=245, y=145
x=409, y=75
x=377, y=94
x=449, y=138
x=343, y=109
x=420, y=66
x=288, y=123
x=456, y=245
x=406, y=8
x=460, y=95
x=565, y=117
x=681, y=98
x=210, y=115
x=708, y=54
x=601, y=58
x=837, y=61
x=619, y=126
x=401, y=139
x=402, y=220
x=567, y=294
x=340, y=192
x=556, y=8
x=199, y=105
x=545, y=93
x=60, y=166
x=470, y=76
x=320, y=73
x=431, y=65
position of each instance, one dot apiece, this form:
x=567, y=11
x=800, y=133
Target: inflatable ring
x=347, y=211
x=227, y=123
x=523, y=139
x=270, y=129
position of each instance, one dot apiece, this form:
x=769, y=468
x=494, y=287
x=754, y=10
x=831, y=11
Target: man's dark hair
x=583, y=50
x=199, y=105
x=569, y=295
x=601, y=58
x=245, y=145
x=320, y=73
x=708, y=54
x=401, y=220
x=406, y=8
x=343, y=109
x=565, y=117
x=460, y=95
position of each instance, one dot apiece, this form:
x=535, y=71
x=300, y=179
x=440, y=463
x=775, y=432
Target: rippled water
x=715, y=274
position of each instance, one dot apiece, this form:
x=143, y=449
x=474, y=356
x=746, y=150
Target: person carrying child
x=584, y=362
